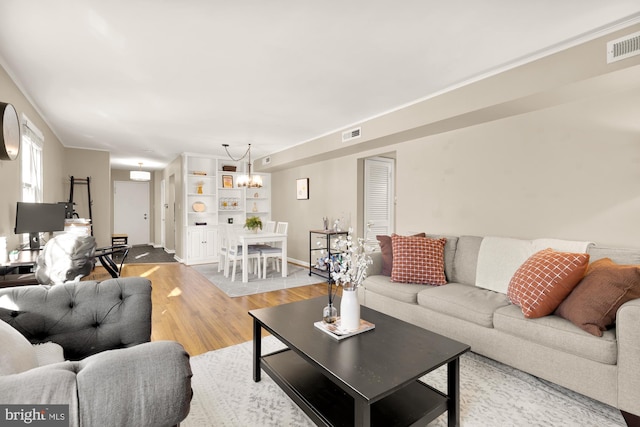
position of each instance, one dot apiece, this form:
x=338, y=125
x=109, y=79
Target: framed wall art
x=227, y=181
x=302, y=188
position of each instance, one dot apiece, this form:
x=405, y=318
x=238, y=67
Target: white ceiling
x=147, y=80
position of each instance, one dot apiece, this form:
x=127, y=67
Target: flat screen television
x=36, y=218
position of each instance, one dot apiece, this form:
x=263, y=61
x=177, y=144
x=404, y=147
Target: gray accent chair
x=113, y=375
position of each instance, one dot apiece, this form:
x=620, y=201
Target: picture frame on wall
x=227, y=181
x=302, y=188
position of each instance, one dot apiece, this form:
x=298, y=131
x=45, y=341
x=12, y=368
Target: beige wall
x=174, y=197
x=59, y=164
x=549, y=149
x=53, y=156
x=96, y=165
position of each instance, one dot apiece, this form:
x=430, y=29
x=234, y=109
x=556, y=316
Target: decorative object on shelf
x=199, y=187
x=200, y=173
x=140, y=175
x=228, y=168
x=255, y=207
x=227, y=181
x=302, y=188
x=256, y=195
x=249, y=180
x=201, y=223
x=10, y=135
x=325, y=223
x=199, y=207
x=348, y=268
x=230, y=220
x=253, y=223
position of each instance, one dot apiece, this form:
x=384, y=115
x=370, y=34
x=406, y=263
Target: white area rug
x=296, y=276
x=492, y=394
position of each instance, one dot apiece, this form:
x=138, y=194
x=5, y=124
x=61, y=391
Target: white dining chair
x=234, y=253
x=268, y=227
x=274, y=252
x=222, y=246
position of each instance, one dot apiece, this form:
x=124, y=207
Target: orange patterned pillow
x=418, y=260
x=545, y=279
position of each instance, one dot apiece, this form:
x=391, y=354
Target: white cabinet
x=212, y=197
x=201, y=244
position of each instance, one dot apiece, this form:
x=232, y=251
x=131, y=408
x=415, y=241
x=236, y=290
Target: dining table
x=247, y=237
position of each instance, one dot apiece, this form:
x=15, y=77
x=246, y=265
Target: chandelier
x=250, y=181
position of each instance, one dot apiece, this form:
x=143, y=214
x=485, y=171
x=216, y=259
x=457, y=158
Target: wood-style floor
x=187, y=308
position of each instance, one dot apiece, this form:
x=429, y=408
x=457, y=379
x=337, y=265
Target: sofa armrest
x=628, y=336
x=51, y=384
x=145, y=385
x=83, y=317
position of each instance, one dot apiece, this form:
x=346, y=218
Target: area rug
x=492, y=394
x=296, y=276
x=145, y=254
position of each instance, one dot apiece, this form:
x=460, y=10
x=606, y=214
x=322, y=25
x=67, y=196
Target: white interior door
x=378, y=198
x=131, y=211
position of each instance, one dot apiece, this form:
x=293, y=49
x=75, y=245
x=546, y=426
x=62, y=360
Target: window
x=31, y=162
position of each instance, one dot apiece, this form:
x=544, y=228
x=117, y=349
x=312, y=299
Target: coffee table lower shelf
x=327, y=404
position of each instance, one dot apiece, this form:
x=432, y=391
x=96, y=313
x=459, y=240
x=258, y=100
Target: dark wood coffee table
x=367, y=379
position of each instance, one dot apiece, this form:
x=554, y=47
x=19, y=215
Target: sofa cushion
x=449, y=253
x=594, y=302
x=545, y=279
x=16, y=353
x=418, y=260
x=405, y=292
x=387, y=253
x=464, y=302
x=48, y=353
x=556, y=332
x=466, y=260
x=617, y=255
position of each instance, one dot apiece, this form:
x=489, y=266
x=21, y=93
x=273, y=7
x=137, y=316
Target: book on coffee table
x=334, y=330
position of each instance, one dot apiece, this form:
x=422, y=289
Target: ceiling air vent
x=624, y=47
x=348, y=135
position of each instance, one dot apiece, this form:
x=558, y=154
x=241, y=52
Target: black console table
x=325, y=236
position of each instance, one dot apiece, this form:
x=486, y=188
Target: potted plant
x=253, y=223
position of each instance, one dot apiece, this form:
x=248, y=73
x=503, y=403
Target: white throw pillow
x=16, y=353
x=48, y=353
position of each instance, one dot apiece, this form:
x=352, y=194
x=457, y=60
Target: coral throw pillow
x=593, y=304
x=544, y=280
x=387, y=253
x=418, y=260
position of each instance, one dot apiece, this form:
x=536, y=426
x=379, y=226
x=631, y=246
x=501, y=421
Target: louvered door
x=378, y=198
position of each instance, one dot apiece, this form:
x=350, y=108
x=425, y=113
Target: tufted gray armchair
x=136, y=383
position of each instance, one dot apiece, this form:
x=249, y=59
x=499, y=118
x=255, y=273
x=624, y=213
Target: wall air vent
x=623, y=48
x=348, y=135
x=266, y=160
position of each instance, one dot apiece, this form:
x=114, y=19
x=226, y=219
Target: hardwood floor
x=187, y=308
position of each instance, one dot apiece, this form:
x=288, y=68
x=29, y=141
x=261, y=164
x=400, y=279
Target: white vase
x=349, y=309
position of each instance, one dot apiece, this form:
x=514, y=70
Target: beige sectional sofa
x=605, y=368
